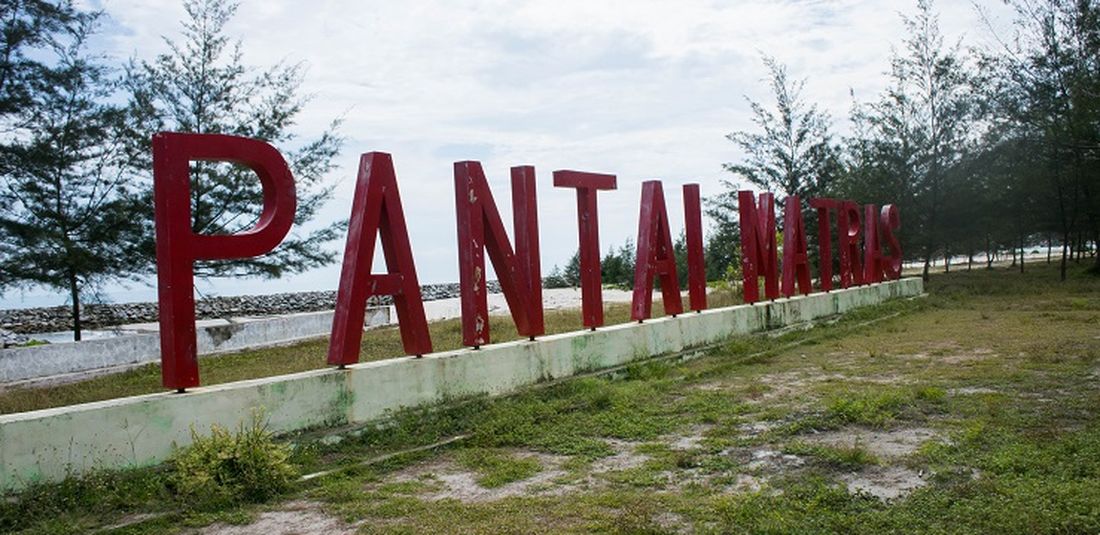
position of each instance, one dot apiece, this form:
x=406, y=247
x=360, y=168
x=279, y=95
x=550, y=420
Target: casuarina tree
x=71, y=219
x=201, y=84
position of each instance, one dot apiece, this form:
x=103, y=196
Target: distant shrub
x=225, y=468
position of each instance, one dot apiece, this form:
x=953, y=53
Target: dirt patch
x=672, y=522
x=448, y=480
x=747, y=483
x=792, y=383
x=692, y=440
x=952, y=353
x=884, y=482
x=624, y=458
x=767, y=460
x=888, y=444
x=972, y=390
x=295, y=518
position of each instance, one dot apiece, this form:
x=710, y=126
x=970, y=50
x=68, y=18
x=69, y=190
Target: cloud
x=640, y=88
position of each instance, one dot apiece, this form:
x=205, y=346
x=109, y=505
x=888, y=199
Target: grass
x=496, y=468
x=1001, y=367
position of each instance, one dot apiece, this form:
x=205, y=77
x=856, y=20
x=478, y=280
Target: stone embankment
x=93, y=316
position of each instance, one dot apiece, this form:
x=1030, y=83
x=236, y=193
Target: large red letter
x=758, y=251
x=825, y=244
x=587, y=184
x=376, y=210
x=178, y=247
x=519, y=273
x=851, y=272
x=693, y=228
x=655, y=256
x=890, y=222
x=872, y=254
x=796, y=261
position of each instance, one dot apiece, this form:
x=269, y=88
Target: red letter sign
x=519, y=273
x=693, y=228
x=851, y=272
x=655, y=256
x=758, y=251
x=825, y=245
x=890, y=222
x=872, y=255
x=376, y=209
x=587, y=184
x=796, y=261
x=178, y=247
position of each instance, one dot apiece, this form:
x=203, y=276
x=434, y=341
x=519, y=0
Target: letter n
x=376, y=212
x=758, y=250
x=655, y=257
x=481, y=231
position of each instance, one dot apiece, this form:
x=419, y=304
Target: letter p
x=178, y=247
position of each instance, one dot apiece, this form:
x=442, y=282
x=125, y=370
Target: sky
x=640, y=89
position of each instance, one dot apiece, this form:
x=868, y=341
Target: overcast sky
x=639, y=89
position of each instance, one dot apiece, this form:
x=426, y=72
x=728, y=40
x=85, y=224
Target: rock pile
x=10, y=339
x=93, y=316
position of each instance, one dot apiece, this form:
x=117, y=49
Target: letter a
x=376, y=210
x=796, y=261
x=655, y=256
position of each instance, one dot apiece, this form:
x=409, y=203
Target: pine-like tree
x=71, y=220
x=202, y=85
x=791, y=151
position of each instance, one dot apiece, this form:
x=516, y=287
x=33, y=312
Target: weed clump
x=496, y=468
x=227, y=468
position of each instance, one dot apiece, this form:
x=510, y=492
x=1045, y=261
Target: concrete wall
x=19, y=364
x=47, y=445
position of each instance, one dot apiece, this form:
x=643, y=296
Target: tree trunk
x=1022, y=253
x=1048, y=247
x=988, y=253
x=74, y=292
x=1096, y=249
x=1065, y=254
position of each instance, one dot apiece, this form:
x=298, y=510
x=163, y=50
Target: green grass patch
x=841, y=457
x=497, y=468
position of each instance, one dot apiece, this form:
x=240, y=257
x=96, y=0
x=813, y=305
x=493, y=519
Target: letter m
x=758, y=250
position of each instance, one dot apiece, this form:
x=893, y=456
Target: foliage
x=29, y=29
x=227, y=468
x=72, y=218
x=791, y=151
x=496, y=468
x=202, y=85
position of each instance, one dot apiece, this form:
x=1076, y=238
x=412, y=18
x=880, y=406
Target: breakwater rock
x=102, y=315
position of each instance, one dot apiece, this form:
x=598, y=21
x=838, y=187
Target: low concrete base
x=213, y=337
x=49, y=445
